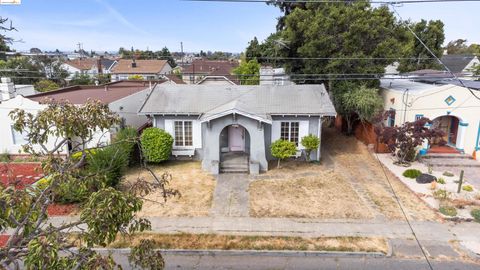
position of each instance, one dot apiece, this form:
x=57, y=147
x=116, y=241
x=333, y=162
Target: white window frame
x=297, y=143
x=18, y=135
x=182, y=146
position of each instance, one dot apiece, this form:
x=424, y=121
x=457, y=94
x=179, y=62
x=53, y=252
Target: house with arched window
x=453, y=108
x=230, y=127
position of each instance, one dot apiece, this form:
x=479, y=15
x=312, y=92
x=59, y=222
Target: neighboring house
x=201, y=68
x=461, y=65
x=452, y=108
x=148, y=69
x=173, y=79
x=88, y=66
x=231, y=128
x=274, y=76
x=12, y=140
x=10, y=90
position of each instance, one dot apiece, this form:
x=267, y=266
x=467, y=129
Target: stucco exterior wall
x=212, y=135
x=432, y=104
x=128, y=107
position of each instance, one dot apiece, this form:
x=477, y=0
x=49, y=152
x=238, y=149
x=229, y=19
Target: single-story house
x=148, y=69
x=231, y=128
x=452, y=108
x=124, y=98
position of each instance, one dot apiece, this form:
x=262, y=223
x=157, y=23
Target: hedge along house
x=231, y=128
x=451, y=107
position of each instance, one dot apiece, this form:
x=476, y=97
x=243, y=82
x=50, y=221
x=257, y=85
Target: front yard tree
x=310, y=142
x=404, y=140
x=106, y=213
x=356, y=103
x=282, y=149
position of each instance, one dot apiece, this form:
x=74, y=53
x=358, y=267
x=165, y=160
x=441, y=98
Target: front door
x=236, y=138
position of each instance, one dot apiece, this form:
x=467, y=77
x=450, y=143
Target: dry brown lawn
x=303, y=190
x=353, y=158
x=195, y=185
x=239, y=242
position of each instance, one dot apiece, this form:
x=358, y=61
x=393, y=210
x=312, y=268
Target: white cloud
x=120, y=18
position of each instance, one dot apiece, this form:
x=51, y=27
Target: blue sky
x=110, y=24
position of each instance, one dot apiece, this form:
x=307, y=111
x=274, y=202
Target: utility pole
x=181, y=50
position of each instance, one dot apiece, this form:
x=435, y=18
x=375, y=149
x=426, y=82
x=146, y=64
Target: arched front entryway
x=234, y=149
x=449, y=125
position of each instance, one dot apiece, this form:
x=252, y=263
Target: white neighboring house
x=452, y=108
x=88, y=66
x=124, y=98
x=274, y=76
x=13, y=140
x=148, y=69
x=10, y=90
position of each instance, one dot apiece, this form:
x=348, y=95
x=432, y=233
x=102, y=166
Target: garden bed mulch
x=62, y=209
x=3, y=239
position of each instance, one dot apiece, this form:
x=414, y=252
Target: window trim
x=297, y=142
x=183, y=146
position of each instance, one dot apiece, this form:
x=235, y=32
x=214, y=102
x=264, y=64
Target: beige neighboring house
x=148, y=69
x=452, y=108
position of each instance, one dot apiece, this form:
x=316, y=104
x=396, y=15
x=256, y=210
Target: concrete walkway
x=230, y=198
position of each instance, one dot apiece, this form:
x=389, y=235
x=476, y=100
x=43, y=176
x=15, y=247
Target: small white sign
x=10, y=2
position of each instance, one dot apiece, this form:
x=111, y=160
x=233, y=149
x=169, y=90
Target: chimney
x=106, y=88
x=7, y=89
x=134, y=64
x=99, y=66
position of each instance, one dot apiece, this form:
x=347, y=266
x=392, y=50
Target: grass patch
x=239, y=242
x=467, y=188
x=476, y=214
x=308, y=191
x=441, y=181
x=195, y=185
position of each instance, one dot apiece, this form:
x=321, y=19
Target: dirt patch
x=304, y=190
x=238, y=242
x=354, y=159
x=195, y=185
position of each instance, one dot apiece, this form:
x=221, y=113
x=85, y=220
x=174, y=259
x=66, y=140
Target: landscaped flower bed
x=441, y=194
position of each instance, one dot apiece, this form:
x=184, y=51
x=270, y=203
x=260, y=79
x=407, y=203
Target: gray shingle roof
x=456, y=62
x=261, y=101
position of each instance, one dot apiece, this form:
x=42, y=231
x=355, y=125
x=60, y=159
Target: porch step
x=446, y=155
x=452, y=162
x=234, y=167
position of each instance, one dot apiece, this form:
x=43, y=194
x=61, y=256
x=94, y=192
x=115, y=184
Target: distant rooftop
x=106, y=93
x=405, y=84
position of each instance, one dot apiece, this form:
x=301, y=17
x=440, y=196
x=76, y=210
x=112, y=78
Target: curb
x=276, y=253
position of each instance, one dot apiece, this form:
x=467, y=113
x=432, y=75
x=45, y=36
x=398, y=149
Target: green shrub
x=441, y=194
x=282, y=149
x=448, y=174
x=441, y=181
x=476, y=214
x=108, y=164
x=310, y=142
x=467, y=188
x=156, y=144
x=127, y=138
x=412, y=173
x=5, y=157
x=448, y=210
x=72, y=190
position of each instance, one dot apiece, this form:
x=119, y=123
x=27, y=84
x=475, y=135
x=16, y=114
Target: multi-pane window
x=289, y=131
x=183, y=133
